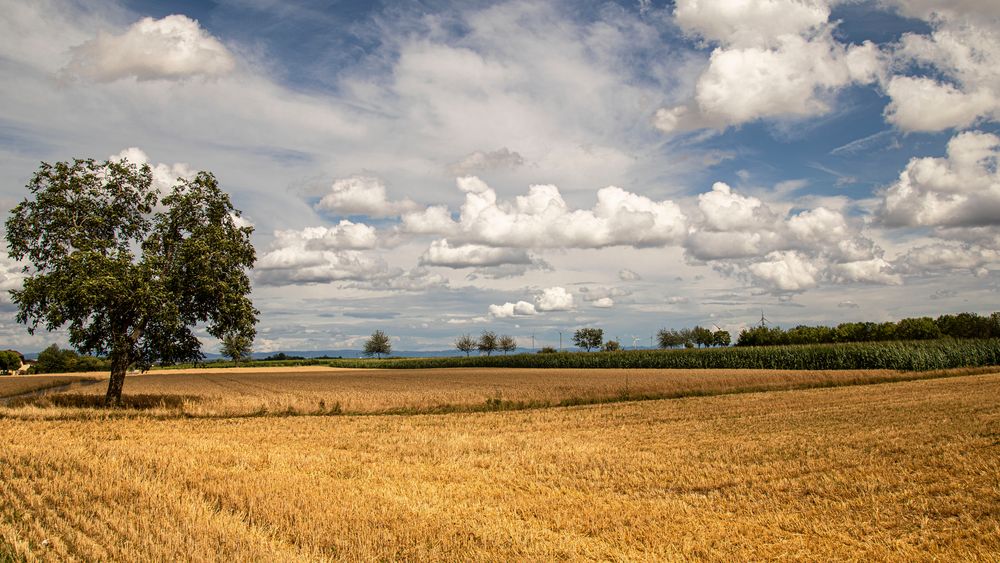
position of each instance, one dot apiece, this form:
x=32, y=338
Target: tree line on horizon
x=691, y=337
x=962, y=325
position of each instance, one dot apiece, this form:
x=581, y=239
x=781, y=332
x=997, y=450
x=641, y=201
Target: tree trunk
x=119, y=365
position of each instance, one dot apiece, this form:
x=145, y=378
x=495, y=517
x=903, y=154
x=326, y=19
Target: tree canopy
x=487, y=342
x=130, y=273
x=377, y=345
x=588, y=338
x=466, y=343
x=10, y=361
x=236, y=346
x=962, y=325
x=507, y=343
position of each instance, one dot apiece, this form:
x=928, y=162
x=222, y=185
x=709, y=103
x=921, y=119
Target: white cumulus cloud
x=875, y=270
x=174, y=47
x=786, y=271
x=362, y=195
x=345, y=235
x=165, y=176
x=943, y=256
x=11, y=276
x=542, y=219
x=508, y=310
x=924, y=104
x=960, y=189
x=441, y=253
x=776, y=58
x=299, y=265
x=604, y=303
x=749, y=22
x=964, y=49
x=743, y=235
x=554, y=299
x=323, y=255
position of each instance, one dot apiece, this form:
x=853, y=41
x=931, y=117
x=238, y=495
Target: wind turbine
x=635, y=340
x=763, y=319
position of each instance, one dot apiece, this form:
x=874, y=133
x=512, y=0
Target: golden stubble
x=228, y=393
x=12, y=385
x=906, y=471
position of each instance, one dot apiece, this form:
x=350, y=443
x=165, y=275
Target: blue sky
x=439, y=168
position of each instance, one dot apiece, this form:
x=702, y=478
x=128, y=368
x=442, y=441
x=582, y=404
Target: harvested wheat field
x=905, y=471
x=319, y=390
x=13, y=385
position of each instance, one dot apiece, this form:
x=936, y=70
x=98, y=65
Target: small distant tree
x=612, y=346
x=721, y=338
x=669, y=338
x=488, y=342
x=507, y=343
x=9, y=361
x=377, y=345
x=237, y=347
x=588, y=338
x=54, y=360
x=547, y=350
x=466, y=343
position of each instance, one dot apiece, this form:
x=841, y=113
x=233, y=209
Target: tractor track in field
x=62, y=387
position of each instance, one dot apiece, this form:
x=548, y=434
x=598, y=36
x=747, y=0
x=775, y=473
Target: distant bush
x=281, y=357
x=10, y=361
x=547, y=350
x=55, y=360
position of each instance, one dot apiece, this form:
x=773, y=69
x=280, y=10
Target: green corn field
x=905, y=355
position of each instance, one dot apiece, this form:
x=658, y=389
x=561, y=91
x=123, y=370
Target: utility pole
x=650, y=340
x=532, y=341
x=560, y=341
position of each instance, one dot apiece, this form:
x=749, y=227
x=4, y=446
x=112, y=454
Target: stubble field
x=324, y=390
x=901, y=471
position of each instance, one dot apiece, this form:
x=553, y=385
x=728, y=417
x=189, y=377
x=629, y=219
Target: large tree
x=130, y=273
